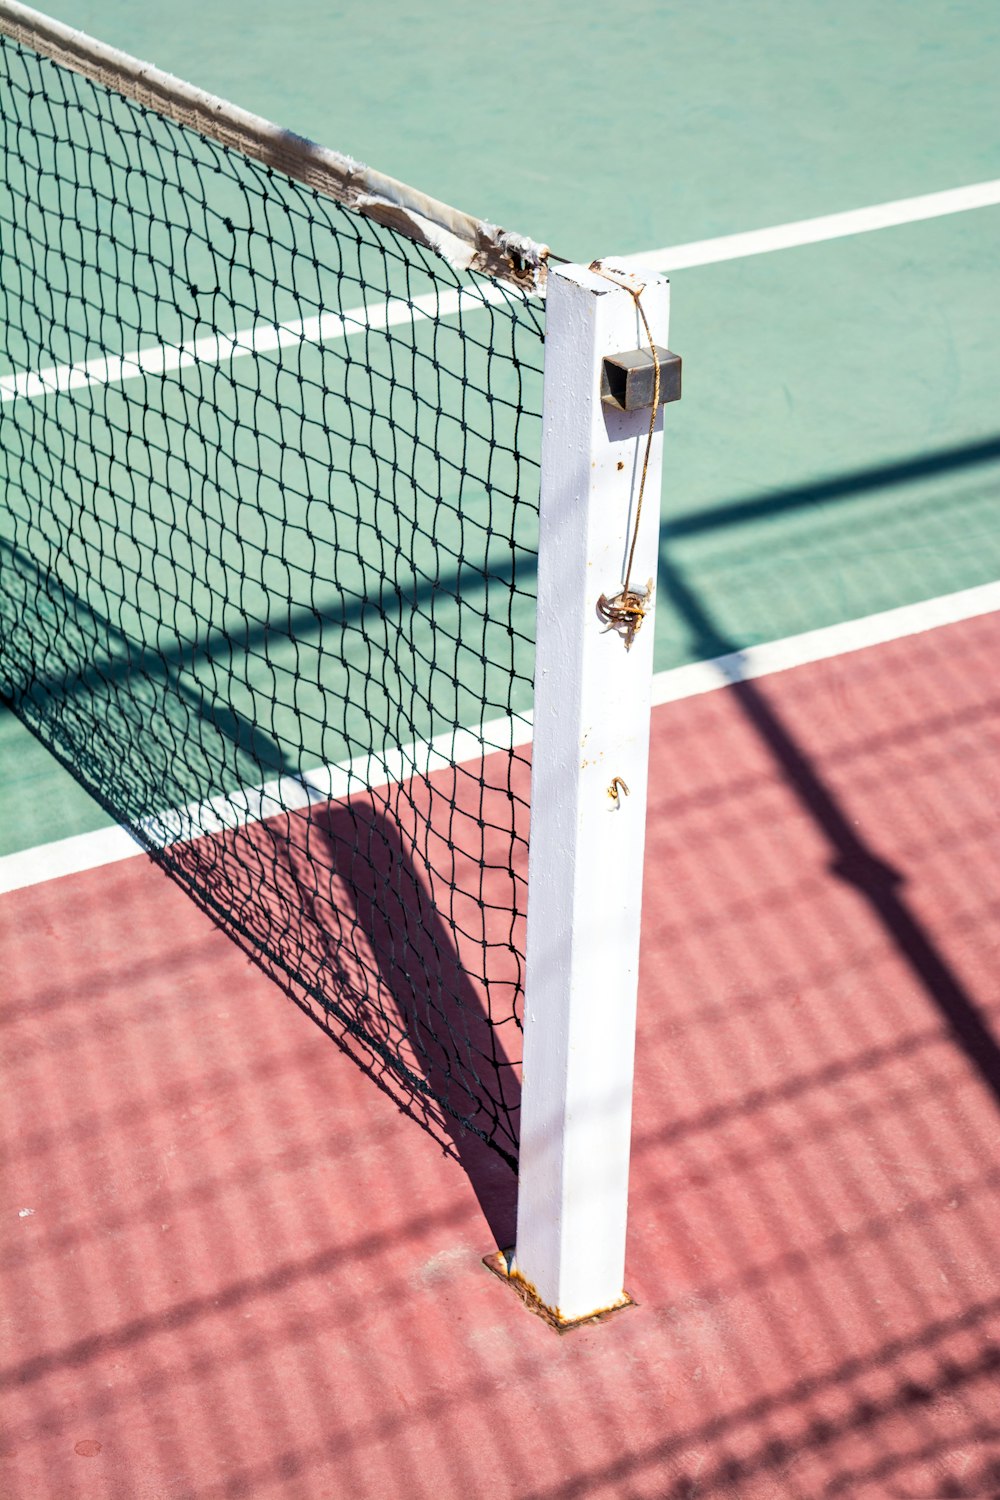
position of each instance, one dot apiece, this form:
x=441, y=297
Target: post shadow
x=437, y=1040
x=443, y=1018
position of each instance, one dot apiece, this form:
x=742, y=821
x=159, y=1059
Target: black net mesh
x=251, y=588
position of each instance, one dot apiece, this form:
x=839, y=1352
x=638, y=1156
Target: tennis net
x=269, y=427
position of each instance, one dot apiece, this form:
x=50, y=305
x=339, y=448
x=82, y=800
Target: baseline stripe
x=813, y=231
x=89, y=851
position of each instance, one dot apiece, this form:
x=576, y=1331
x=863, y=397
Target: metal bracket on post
x=588, y=788
x=628, y=381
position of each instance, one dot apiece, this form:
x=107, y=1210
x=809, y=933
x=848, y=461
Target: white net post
x=588, y=798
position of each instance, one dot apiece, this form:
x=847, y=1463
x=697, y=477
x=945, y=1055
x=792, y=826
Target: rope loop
x=626, y=610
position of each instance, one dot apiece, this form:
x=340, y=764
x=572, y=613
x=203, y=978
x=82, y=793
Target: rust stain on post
x=500, y=1265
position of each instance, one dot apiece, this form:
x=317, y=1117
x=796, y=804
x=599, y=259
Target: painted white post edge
x=591, y=724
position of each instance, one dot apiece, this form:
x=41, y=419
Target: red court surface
x=231, y=1267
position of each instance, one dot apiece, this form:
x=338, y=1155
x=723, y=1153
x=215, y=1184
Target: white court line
x=107, y=369
x=89, y=851
x=829, y=641
x=110, y=369
x=106, y=846
x=813, y=231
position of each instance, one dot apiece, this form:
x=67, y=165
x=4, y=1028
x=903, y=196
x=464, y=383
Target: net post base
x=501, y=1265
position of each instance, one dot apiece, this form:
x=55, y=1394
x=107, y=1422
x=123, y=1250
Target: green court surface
x=837, y=451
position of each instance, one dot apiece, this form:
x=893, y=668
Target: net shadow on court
x=245, y=1239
